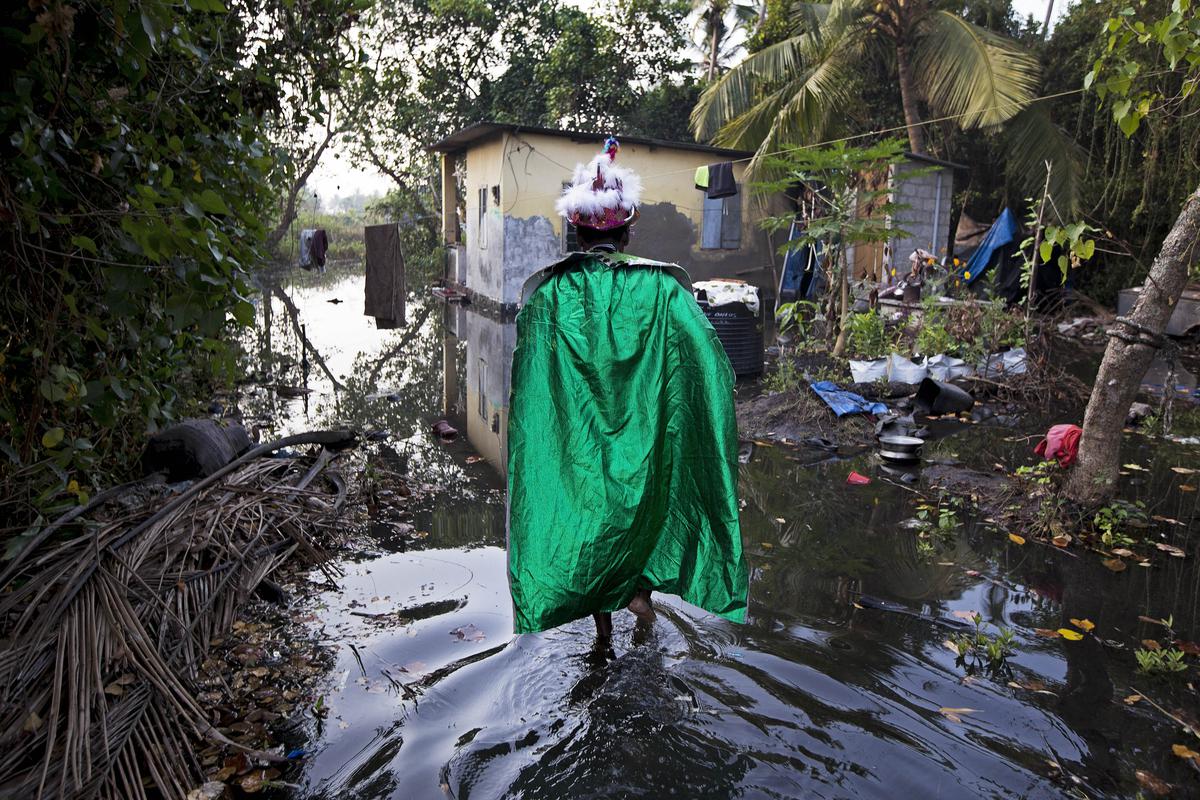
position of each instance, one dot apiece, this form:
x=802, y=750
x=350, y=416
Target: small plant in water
x=936, y=524
x=1164, y=661
x=1114, y=520
x=980, y=651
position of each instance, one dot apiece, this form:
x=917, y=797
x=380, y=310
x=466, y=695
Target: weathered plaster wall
x=485, y=256
x=530, y=243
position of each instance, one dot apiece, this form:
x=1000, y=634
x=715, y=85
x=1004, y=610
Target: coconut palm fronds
x=102, y=625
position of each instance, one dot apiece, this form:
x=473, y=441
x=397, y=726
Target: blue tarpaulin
x=843, y=402
x=1004, y=231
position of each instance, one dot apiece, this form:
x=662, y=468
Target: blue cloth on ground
x=843, y=402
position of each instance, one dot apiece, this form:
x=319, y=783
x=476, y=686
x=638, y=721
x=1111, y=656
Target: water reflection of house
x=479, y=348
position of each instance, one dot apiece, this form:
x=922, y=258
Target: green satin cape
x=622, y=463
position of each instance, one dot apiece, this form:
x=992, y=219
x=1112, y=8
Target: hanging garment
x=320, y=244
x=385, y=287
x=306, y=238
x=702, y=178
x=720, y=180
x=622, y=446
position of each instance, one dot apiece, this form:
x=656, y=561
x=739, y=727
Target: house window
x=722, y=225
x=483, y=206
x=570, y=236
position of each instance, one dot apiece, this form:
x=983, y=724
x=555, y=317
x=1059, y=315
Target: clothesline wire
x=851, y=137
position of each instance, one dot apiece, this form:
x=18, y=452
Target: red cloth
x=1061, y=442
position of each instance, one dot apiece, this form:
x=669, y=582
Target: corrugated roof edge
x=461, y=139
x=935, y=161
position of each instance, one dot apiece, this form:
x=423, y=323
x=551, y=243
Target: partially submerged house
x=500, y=183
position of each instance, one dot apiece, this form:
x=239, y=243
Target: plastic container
x=740, y=333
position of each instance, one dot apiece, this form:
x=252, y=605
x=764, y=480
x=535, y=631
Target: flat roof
x=461, y=139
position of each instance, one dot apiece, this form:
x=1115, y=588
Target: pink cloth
x=1061, y=442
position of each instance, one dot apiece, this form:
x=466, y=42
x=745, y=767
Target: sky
x=335, y=176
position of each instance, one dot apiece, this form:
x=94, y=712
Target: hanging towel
x=720, y=180
x=385, y=276
x=306, y=237
x=320, y=244
x=702, y=178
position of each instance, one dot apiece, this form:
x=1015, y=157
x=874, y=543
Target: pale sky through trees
x=335, y=176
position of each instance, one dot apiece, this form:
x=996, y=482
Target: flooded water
x=840, y=684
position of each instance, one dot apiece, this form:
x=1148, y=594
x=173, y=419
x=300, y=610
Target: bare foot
x=641, y=607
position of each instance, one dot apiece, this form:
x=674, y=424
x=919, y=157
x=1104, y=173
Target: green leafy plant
x=796, y=318
x=1164, y=661
x=980, y=651
x=867, y=336
x=1115, y=520
x=933, y=335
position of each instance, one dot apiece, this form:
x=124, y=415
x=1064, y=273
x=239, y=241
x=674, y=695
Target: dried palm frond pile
x=106, y=615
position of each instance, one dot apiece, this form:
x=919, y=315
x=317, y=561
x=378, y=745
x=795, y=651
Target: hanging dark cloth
x=720, y=180
x=319, y=246
x=385, y=276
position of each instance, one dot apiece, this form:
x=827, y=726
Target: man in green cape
x=622, y=440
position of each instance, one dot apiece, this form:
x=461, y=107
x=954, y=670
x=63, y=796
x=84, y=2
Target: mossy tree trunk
x=1128, y=356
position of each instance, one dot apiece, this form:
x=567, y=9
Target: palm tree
x=798, y=90
x=713, y=24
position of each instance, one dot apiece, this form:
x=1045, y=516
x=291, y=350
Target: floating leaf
x=1168, y=520
x=1151, y=644
x=1083, y=624
x=1183, y=470
x=1131, y=699
x=1183, y=751
x=1016, y=538
x=1186, y=487
x=1115, y=564
x=1122, y=552
x=1171, y=549
x=1062, y=540
x=1135, y=467
x=1049, y=634
x=1070, y=635
x=956, y=714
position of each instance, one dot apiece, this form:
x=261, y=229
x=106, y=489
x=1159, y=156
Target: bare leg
x=603, y=628
x=641, y=607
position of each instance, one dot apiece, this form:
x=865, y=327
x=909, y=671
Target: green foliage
x=796, y=318
x=933, y=336
x=1070, y=240
x=135, y=180
x=1135, y=38
x=1116, y=521
x=981, y=651
x=1163, y=662
x=866, y=336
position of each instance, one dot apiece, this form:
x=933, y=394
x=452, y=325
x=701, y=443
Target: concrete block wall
x=927, y=218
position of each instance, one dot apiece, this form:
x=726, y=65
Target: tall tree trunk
x=1126, y=360
x=289, y=206
x=713, y=43
x=908, y=98
x=1049, y=13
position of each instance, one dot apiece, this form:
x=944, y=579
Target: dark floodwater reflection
x=840, y=685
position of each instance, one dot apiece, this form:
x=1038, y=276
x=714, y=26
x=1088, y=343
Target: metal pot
x=900, y=448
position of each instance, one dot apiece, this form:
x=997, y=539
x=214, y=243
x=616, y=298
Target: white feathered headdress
x=602, y=195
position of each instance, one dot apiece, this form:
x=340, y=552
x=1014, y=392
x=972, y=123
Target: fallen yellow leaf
x=1170, y=549
x=1186, y=487
x=1135, y=467
x=1018, y=539
x=1183, y=751
x=1133, y=698
x=1049, y=634
x=1083, y=624
x=1115, y=564
x=1062, y=540
x=1151, y=644
x=1069, y=634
